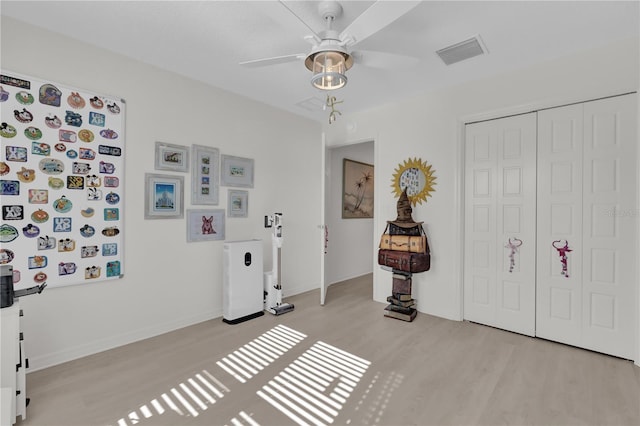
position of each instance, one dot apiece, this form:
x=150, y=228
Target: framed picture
x=205, y=225
x=237, y=171
x=357, y=190
x=204, y=175
x=163, y=196
x=238, y=203
x=172, y=157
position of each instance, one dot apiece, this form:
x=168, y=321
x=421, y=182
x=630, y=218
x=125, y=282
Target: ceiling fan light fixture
x=329, y=68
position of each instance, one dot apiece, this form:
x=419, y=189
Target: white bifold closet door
x=500, y=206
x=587, y=201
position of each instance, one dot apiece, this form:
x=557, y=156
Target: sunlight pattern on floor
x=253, y=357
x=188, y=398
x=314, y=387
x=378, y=403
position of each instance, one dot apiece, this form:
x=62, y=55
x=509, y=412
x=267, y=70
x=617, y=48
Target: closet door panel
x=559, y=223
x=610, y=221
x=500, y=223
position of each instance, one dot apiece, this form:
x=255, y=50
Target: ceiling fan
x=331, y=55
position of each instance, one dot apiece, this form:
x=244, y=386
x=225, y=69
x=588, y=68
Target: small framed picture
x=238, y=203
x=163, y=196
x=236, y=171
x=172, y=157
x=204, y=175
x=205, y=225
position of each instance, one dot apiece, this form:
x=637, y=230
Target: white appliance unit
x=242, y=287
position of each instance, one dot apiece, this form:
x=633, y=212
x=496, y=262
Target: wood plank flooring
x=342, y=363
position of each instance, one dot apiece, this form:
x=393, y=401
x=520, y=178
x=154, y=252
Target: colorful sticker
x=24, y=97
x=40, y=277
x=93, y=181
x=4, y=95
x=15, y=82
x=33, y=133
x=96, y=102
x=8, y=233
x=109, y=150
x=68, y=136
x=46, y=243
x=40, y=148
x=94, y=194
x=75, y=182
x=13, y=212
x=40, y=216
x=113, y=108
x=51, y=166
x=86, y=135
x=111, y=182
x=91, y=272
x=62, y=224
x=9, y=187
x=72, y=154
x=36, y=262
x=111, y=214
x=87, y=231
x=66, y=244
x=50, y=95
x=88, y=251
x=56, y=183
x=16, y=276
x=23, y=116
x=80, y=168
x=4, y=168
x=38, y=196
x=113, y=268
x=87, y=154
x=7, y=130
x=88, y=212
x=26, y=175
x=62, y=205
x=31, y=231
x=108, y=168
x=52, y=121
x=75, y=100
x=109, y=249
x=110, y=231
x=60, y=147
x=96, y=119
x=72, y=118
x=112, y=198
x=67, y=268
x=109, y=134
x=6, y=256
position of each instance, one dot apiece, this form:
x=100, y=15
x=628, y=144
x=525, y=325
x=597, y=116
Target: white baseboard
x=49, y=360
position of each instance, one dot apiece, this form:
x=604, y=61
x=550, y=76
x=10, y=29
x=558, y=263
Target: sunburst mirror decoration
x=417, y=176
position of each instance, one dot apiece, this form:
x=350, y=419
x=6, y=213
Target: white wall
x=350, y=240
x=429, y=127
x=169, y=283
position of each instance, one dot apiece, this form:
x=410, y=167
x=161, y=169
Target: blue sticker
x=109, y=249
x=50, y=95
x=37, y=262
x=111, y=214
x=31, y=231
x=62, y=224
x=113, y=268
x=9, y=187
x=73, y=118
x=112, y=198
x=96, y=119
x=87, y=231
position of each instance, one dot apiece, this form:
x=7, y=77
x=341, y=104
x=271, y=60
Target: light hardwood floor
x=428, y=372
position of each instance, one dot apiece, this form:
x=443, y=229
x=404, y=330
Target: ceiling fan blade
x=273, y=61
x=375, y=18
x=301, y=20
x=383, y=60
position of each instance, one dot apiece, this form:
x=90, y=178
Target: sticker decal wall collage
x=61, y=182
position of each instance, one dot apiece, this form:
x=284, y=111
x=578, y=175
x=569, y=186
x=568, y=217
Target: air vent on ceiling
x=463, y=50
x=311, y=104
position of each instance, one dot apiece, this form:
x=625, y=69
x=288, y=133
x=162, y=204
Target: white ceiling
x=206, y=40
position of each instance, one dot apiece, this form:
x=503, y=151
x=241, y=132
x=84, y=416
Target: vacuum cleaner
x=272, y=280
